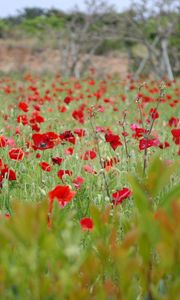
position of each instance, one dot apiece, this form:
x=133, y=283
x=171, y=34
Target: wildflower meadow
x=89, y=188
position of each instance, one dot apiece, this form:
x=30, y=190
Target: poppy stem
x=128, y=156
x=99, y=156
x=162, y=93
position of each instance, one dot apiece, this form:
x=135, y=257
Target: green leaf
x=158, y=176
x=166, y=200
x=139, y=194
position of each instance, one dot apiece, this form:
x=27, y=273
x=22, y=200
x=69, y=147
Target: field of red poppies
x=89, y=188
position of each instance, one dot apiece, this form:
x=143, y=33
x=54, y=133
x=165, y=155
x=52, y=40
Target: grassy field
x=89, y=178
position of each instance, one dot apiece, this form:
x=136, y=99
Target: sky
x=11, y=7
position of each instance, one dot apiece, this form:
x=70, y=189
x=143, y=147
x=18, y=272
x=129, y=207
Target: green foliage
x=109, y=45
x=148, y=188
x=32, y=12
x=113, y=261
x=41, y=24
x=132, y=252
x=4, y=28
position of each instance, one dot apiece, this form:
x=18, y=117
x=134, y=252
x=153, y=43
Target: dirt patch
x=22, y=58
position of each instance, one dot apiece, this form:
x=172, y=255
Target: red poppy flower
x=16, y=154
x=78, y=115
x=110, y=101
x=90, y=154
x=1, y=181
x=86, y=224
x=61, y=173
x=45, y=141
x=7, y=215
x=11, y=175
x=113, y=139
x=37, y=118
x=35, y=127
x=23, y=106
x=37, y=107
x=100, y=129
x=139, y=132
x=62, y=194
x=133, y=126
x=99, y=108
x=68, y=136
x=57, y=160
x=69, y=151
x=78, y=181
x=91, y=82
x=110, y=162
x=80, y=132
x=68, y=99
x=8, y=173
x=173, y=122
x=164, y=145
x=10, y=142
x=22, y=119
x=154, y=113
x=17, y=131
x=62, y=108
x=121, y=195
x=45, y=166
x=124, y=133
x=2, y=142
x=145, y=143
x=89, y=169
x=176, y=136
x=1, y=163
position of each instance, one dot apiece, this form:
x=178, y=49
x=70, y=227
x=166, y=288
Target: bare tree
x=164, y=15
x=83, y=35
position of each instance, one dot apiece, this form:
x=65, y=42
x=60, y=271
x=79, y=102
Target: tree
x=83, y=34
x=153, y=24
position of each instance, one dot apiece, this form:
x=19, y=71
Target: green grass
x=132, y=252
